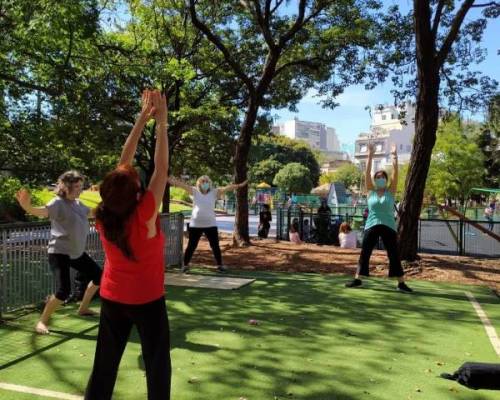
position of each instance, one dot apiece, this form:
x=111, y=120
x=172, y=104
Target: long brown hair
x=118, y=191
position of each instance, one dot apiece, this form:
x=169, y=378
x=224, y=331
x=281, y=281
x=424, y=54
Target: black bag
x=477, y=375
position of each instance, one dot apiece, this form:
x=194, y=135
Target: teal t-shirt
x=380, y=210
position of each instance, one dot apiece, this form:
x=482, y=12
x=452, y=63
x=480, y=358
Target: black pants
x=195, y=234
x=263, y=230
x=370, y=239
x=115, y=325
x=61, y=263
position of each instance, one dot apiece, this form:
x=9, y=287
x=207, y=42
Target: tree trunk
x=240, y=234
x=426, y=122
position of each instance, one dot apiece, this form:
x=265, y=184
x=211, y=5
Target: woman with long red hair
x=132, y=286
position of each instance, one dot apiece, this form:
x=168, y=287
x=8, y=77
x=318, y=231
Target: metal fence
x=453, y=237
x=25, y=276
x=457, y=237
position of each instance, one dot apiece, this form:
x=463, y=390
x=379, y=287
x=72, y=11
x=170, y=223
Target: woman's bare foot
x=87, y=313
x=41, y=328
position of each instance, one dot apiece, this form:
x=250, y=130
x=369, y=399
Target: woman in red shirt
x=132, y=286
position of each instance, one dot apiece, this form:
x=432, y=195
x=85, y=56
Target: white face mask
x=205, y=186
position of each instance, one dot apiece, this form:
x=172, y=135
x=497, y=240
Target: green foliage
x=489, y=142
x=179, y=194
x=327, y=177
x=293, y=178
x=461, y=87
x=348, y=174
x=457, y=161
x=264, y=171
x=9, y=208
x=402, y=173
x=72, y=84
x=271, y=153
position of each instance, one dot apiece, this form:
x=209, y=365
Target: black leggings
x=195, y=234
x=60, y=264
x=370, y=239
x=115, y=325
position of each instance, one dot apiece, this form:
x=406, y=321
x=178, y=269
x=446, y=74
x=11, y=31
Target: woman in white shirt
x=347, y=237
x=203, y=216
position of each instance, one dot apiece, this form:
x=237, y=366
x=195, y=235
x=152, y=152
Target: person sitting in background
x=347, y=237
x=294, y=232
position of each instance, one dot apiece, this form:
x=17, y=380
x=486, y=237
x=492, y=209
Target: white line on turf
x=39, y=392
x=488, y=327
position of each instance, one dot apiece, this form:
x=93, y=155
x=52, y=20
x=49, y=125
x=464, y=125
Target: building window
x=376, y=165
x=383, y=117
x=401, y=147
x=408, y=148
x=378, y=147
x=362, y=148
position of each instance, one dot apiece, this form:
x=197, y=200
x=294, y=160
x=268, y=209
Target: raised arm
x=24, y=199
x=181, y=184
x=368, y=171
x=394, y=176
x=130, y=146
x=234, y=186
x=158, y=180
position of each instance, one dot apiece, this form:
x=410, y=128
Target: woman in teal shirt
x=380, y=222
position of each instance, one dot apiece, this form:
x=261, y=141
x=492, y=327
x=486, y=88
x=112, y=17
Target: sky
x=350, y=118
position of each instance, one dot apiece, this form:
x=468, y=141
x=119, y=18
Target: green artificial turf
x=315, y=340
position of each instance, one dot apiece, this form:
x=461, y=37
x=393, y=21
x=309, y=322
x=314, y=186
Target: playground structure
x=337, y=195
x=265, y=194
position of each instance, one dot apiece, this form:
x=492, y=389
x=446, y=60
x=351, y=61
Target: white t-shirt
x=347, y=240
x=203, y=215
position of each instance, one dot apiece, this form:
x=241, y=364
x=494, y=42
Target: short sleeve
x=147, y=206
x=54, y=208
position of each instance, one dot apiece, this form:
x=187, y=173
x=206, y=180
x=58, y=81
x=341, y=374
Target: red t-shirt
x=141, y=281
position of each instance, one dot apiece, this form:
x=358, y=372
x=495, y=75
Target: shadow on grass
x=315, y=340
x=293, y=313
x=36, y=350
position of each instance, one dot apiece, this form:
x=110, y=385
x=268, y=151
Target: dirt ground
x=284, y=256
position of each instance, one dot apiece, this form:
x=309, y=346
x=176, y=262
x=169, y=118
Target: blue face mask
x=380, y=183
x=205, y=186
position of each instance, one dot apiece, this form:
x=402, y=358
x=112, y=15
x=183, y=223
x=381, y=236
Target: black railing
x=450, y=236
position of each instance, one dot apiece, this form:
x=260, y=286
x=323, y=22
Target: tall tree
x=269, y=154
x=272, y=50
x=293, y=178
x=444, y=49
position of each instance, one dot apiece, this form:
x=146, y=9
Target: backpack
x=476, y=375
